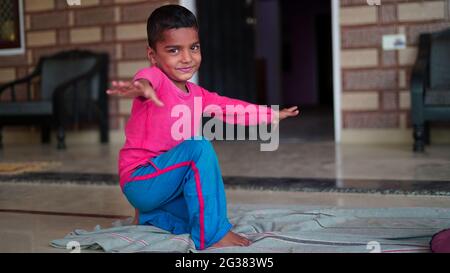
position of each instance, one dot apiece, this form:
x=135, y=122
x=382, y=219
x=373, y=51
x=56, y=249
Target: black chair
x=70, y=90
x=430, y=85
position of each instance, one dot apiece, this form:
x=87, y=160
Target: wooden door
x=227, y=35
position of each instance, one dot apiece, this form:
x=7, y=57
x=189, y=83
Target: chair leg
x=61, y=138
x=1, y=138
x=45, y=134
x=419, y=138
x=427, y=133
x=104, y=130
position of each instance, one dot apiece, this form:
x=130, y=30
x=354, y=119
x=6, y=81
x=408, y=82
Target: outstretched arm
x=139, y=88
x=254, y=111
x=285, y=113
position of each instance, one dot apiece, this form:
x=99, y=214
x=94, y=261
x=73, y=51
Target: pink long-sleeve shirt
x=148, y=130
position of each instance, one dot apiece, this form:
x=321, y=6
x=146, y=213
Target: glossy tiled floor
x=244, y=158
x=31, y=214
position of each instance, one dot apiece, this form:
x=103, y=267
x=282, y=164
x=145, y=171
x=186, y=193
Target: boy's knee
x=199, y=144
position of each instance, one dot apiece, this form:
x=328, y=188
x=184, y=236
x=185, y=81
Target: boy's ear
x=151, y=55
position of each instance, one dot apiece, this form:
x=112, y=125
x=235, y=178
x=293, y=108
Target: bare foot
x=232, y=239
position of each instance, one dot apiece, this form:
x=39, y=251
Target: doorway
x=307, y=69
x=273, y=52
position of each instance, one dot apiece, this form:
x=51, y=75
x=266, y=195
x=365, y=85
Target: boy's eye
x=173, y=50
x=195, y=47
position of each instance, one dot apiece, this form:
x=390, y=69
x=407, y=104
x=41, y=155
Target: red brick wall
x=376, y=82
x=113, y=26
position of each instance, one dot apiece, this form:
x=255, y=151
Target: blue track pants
x=182, y=191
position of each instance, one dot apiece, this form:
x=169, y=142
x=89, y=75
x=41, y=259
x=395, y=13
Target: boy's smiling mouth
x=186, y=69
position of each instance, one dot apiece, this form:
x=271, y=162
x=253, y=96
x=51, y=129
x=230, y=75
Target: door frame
x=192, y=6
x=337, y=74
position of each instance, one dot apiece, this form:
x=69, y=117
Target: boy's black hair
x=168, y=17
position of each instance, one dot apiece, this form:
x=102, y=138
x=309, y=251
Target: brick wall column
x=375, y=82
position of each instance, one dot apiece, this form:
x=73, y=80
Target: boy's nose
x=186, y=57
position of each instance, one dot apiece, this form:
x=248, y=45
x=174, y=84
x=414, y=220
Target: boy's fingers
x=115, y=91
x=114, y=85
x=139, y=85
x=124, y=88
x=125, y=85
x=112, y=91
x=150, y=94
x=293, y=113
x=156, y=100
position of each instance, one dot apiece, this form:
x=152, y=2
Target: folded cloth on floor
x=285, y=229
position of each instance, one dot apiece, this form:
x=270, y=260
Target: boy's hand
x=285, y=113
x=135, y=89
x=288, y=112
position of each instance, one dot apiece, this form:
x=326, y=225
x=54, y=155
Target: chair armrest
x=26, y=79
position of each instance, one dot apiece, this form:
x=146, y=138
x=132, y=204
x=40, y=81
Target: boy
x=175, y=185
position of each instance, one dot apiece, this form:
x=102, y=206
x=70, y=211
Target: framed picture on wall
x=11, y=27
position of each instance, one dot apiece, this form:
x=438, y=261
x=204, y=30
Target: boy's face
x=177, y=54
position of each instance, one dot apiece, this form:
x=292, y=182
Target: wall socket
x=394, y=42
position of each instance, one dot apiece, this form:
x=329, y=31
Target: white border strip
x=337, y=75
x=21, y=50
x=192, y=6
